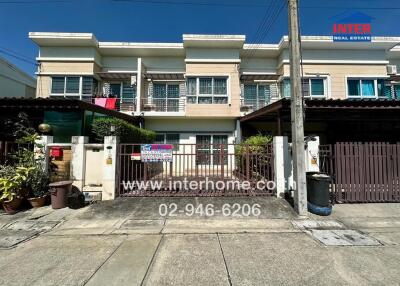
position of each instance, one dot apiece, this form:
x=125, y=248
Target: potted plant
x=10, y=186
x=38, y=182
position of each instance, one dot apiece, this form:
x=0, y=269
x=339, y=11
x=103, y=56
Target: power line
x=264, y=20
x=35, y=2
x=17, y=57
x=261, y=29
x=190, y=3
x=267, y=28
x=15, y=53
x=349, y=8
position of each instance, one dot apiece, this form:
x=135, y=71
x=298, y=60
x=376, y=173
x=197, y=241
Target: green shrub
x=127, y=132
x=256, y=143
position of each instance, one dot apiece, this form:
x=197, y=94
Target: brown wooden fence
x=362, y=172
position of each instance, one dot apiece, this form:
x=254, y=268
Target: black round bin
x=318, y=189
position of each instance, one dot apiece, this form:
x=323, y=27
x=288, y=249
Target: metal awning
x=252, y=77
x=395, y=77
x=329, y=109
x=165, y=76
x=16, y=105
x=115, y=75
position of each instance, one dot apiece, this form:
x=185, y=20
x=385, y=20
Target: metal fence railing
x=199, y=163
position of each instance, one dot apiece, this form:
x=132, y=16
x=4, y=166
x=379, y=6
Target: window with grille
x=207, y=90
x=256, y=95
x=166, y=97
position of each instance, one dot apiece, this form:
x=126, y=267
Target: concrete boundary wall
x=93, y=174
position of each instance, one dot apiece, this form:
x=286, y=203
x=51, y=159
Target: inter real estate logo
x=355, y=27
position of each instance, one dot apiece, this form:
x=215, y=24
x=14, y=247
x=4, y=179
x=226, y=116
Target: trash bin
x=59, y=194
x=318, y=189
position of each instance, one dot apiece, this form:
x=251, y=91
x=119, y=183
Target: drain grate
x=343, y=237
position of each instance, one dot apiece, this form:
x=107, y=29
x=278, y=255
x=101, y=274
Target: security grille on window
x=211, y=149
x=207, y=90
x=166, y=96
x=256, y=95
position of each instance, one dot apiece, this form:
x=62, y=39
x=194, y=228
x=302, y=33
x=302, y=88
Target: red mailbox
x=56, y=152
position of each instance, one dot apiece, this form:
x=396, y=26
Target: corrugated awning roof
x=59, y=104
x=323, y=107
x=395, y=77
x=165, y=76
x=252, y=77
x=115, y=75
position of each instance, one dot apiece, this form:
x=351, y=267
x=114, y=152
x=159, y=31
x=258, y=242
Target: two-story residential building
x=214, y=88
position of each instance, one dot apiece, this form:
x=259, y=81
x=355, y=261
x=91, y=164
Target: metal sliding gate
x=362, y=172
x=198, y=170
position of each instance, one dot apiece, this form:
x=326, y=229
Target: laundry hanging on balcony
x=100, y=101
x=111, y=103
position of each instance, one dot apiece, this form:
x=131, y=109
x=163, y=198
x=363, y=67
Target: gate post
x=78, y=160
x=282, y=165
x=110, y=171
x=42, y=150
x=312, y=158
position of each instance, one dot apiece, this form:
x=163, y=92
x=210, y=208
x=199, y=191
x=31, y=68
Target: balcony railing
x=248, y=105
x=163, y=104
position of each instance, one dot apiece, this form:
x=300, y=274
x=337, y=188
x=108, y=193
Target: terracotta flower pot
x=11, y=207
x=38, y=202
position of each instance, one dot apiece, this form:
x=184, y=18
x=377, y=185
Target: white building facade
x=194, y=92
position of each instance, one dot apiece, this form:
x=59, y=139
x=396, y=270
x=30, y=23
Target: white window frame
x=212, y=94
x=257, y=84
x=212, y=148
x=325, y=78
x=166, y=83
x=164, y=134
x=363, y=77
x=65, y=94
x=361, y=92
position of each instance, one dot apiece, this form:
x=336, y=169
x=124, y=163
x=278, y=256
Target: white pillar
x=139, y=85
x=238, y=132
x=78, y=160
x=282, y=165
x=110, y=163
x=42, y=150
x=312, y=155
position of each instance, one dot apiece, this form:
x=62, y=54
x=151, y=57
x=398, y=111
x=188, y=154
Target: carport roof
x=319, y=109
x=59, y=104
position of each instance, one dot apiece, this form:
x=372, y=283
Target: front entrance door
x=210, y=149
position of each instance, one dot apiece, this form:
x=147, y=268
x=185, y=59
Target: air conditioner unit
x=391, y=69
x=133, y=80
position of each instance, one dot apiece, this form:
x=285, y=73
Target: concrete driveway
x=127, y=242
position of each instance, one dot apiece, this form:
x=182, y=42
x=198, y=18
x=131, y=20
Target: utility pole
x=299, y=174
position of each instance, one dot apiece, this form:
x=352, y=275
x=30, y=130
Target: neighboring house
x=196, y=91
x=14, y=82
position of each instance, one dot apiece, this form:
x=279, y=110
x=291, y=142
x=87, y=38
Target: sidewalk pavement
x=127, y=242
